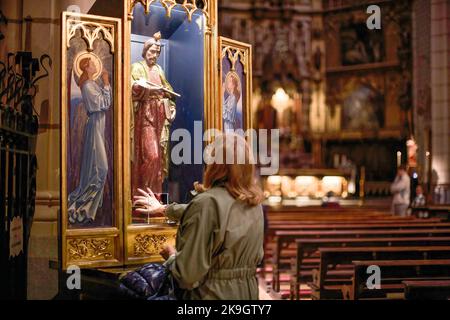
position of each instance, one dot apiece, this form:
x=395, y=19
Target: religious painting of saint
x=232, y=97
x=87, y=198
x=90, y=123
x=90, y=136
x=363, y=107
x=154, y=110
x=359, y=45
x=235, y=85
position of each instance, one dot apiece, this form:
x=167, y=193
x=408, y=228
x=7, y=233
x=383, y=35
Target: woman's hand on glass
x=147, y=203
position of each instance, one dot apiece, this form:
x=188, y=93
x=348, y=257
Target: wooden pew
x=305, y=248
x=287, y=218
x=275, y=224
x=379, y=225
x=283, y=238
x=272, y=228
x=352, y=221
x=393, y=273
x=270, y=246
x=328, y=284
x=427, y=289
x=340, y=217
x=314, y=208
x=316, y=217
x=327, y=214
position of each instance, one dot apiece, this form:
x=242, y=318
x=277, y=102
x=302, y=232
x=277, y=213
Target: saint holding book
x=154, y=111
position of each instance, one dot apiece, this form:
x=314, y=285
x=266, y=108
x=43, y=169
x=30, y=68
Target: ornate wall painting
x=359, y=45
x=363, y=107
x=236, y=84
x=90, y=142
x=90, y=154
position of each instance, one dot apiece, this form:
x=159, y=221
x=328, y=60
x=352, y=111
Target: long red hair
x=84, y=64
x=230, y=161
x=236, y=82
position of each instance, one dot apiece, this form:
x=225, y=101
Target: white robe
x=400, y=188
x=85, y=200
x=229, y=113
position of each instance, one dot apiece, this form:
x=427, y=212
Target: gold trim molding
x=149, y=244
x=90, y=31
x=189, y=7
x=103, y=245
x=234, y=55
x=90, y=249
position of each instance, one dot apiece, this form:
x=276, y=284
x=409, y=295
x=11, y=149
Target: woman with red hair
x=220, y=238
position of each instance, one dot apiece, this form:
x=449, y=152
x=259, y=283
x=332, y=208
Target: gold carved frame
x=236, y=51
x=144, y=242
x=102, y=246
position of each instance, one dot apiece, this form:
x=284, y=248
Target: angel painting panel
x=235, y=76
x=90, y=153
x=232, y=102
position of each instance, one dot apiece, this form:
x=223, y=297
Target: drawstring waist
x=229, y=274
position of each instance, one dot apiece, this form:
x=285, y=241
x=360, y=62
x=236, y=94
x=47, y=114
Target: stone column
x=13, y=30
x=422, y=84
x=440, y=98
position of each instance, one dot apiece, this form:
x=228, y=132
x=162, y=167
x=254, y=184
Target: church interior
x=354, y=94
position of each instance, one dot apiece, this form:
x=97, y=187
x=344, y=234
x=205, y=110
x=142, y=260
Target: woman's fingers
x=140, y=202
x=147, y=194
x=143, y=192
x=142, y=210
x=150, y=192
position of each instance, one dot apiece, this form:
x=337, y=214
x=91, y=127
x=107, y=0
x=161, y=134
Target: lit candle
x=399, y=158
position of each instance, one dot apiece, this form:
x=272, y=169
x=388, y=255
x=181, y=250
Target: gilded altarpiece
x=162, y=54
x=369, y=87
x=91, y=160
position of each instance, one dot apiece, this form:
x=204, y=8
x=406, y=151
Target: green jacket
x=219, y=245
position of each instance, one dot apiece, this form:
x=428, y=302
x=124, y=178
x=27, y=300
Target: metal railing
x=18, y=132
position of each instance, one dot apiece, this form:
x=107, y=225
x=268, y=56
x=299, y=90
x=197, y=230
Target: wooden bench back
x=393, y=273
